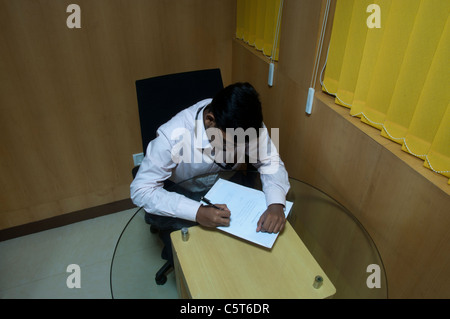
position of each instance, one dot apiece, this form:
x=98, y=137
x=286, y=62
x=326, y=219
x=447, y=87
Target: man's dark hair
x=237, y=106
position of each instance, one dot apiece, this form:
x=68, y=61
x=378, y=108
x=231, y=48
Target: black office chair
x=159, y=99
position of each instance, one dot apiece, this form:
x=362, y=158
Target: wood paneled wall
x=404, y=207
x=68, y=111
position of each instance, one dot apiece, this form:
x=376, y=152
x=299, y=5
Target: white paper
x=246, y=206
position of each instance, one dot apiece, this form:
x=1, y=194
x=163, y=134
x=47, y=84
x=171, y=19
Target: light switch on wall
x=137, y=158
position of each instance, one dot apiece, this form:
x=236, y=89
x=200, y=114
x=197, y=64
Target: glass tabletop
x=336, y=239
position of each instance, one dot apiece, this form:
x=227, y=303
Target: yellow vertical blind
x=257, y=22
x=395, y=77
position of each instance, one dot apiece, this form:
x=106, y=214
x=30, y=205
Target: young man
x=210, y=137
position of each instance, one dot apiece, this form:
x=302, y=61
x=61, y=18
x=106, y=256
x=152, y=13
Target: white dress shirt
x=167, y=157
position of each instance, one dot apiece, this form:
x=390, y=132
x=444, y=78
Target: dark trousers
x=166, y=225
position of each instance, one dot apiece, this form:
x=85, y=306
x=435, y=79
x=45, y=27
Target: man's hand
x=209, y=216
x=273, y=219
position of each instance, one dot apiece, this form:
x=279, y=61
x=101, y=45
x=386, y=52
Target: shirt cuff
x=274, y=195
x=187, y=209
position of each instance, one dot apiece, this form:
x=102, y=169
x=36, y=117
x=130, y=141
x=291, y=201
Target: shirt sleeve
x=147, y=190
x=274, y=177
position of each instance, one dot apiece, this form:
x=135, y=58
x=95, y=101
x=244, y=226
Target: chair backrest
x=160, y=98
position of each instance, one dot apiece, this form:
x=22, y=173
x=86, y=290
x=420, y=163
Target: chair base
x=161, y=276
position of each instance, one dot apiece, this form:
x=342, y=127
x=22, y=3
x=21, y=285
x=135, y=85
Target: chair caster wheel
x=161, y=280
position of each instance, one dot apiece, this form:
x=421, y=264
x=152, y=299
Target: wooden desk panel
x=213, y=264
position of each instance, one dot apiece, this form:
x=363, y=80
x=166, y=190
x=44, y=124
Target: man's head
x=232, y=121
x=236, y=106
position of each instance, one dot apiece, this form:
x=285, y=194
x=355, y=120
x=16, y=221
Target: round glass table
x=335, y=238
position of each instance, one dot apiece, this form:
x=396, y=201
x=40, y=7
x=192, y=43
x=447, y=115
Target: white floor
x=35, y=266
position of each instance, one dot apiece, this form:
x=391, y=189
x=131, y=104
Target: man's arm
x=275, y=182
x=147, y=189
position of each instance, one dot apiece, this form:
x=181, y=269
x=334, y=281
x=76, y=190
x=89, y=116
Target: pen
x=207, y=201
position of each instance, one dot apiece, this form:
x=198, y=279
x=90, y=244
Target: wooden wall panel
x=403, y=207
x=68, y=111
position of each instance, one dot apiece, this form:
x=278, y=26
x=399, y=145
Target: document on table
x=246, y=206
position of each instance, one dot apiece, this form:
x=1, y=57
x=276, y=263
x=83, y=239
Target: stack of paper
x=246, y=206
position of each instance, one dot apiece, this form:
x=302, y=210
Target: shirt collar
x=201, y=139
